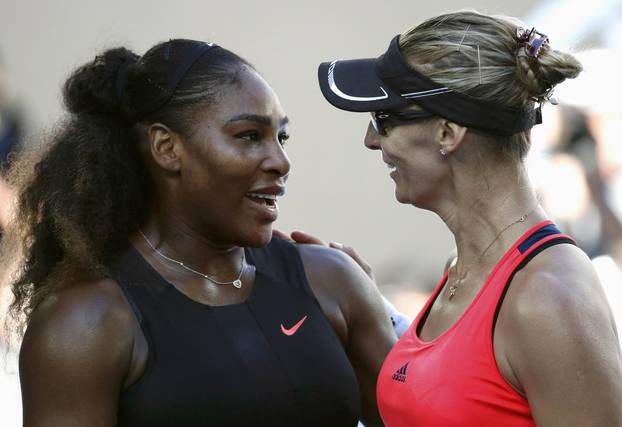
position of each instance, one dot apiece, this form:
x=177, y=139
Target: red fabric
x=454, y=380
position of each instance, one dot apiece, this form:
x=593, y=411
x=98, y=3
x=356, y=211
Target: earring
x=443, y=152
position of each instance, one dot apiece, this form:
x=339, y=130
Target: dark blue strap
x=532, y=240
x=538, y=235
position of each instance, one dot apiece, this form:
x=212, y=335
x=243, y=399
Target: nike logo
x=291, y=331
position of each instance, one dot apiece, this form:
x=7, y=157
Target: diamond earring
x=443, y=152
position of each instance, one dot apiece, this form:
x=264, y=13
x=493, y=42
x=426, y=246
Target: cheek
x=214, y=186
x=222, y=170
x=420, y=171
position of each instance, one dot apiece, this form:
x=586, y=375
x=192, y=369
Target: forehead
x=248, y=94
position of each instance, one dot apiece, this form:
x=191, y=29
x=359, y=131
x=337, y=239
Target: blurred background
x=338, y=190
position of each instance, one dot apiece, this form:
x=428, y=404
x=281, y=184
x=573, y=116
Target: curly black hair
x=83, y=193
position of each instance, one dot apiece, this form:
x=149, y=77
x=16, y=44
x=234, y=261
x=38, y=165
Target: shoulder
x=89, y=321
x=557, y=286
x=336, y=281
x=556, y=306
x=368, y=334
x=344, y=289
x=330, y=272
x=318, y=256
x=560, y=341
x=92, y=304
x=325, y=266
x=76, y=356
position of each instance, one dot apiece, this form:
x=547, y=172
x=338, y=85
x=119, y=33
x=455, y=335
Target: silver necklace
x=237, y=282
x=454, y=287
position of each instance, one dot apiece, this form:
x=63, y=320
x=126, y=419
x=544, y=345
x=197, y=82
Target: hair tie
x=534, y=41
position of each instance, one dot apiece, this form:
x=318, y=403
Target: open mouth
x=268, y=200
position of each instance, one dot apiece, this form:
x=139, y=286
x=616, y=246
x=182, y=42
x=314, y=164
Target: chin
x=403, y=198
x=419, y=196
x=259, y=237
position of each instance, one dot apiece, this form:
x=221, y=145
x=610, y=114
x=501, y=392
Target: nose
x=277, y=161
x=372, y=139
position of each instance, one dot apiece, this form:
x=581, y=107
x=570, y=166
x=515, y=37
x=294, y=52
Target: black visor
x=388, y=83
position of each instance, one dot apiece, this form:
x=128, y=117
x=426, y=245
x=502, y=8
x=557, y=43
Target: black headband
x=166, y=90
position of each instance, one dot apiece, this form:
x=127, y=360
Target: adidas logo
x=400, y=374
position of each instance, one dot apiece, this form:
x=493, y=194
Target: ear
x=165, y=146
x=450, y=135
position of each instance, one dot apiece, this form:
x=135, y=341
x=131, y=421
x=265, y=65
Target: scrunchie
x=533, y=40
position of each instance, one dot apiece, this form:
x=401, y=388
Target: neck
x=176, y=239
x=487, y=212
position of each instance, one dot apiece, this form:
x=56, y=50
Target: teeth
x=263, y=196
x=391, y=167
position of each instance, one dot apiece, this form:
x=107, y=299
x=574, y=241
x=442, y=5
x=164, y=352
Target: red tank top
x=454, y=380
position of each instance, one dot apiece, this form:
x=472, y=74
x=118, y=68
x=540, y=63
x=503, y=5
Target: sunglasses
x=380, y=120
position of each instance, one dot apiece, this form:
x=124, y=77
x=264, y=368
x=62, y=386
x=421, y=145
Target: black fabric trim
x=524, y=262
x=130, y=299
x=424, y=318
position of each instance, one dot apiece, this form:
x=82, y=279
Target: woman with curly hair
x=144, y=268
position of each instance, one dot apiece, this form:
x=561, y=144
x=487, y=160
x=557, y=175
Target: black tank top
x=272, y=360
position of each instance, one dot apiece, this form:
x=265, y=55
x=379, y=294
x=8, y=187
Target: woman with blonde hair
x=518, y=332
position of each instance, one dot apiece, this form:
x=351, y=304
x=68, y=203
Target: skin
x=83, y=346
x=555, y=341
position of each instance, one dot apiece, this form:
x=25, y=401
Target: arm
x=563, y=348
x=347, y=293
x=75, y=356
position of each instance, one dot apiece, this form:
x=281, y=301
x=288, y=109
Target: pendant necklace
x=454, y=287
x=237, y=282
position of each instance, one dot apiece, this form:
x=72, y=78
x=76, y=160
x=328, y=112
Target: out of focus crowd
x=576, y=163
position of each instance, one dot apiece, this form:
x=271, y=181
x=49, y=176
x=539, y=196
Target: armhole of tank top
x=139, y=318
x=128, y=296
x=291, y=265
x=301, y=274
x=294, y=259
x=553, y=242
x=418, y=324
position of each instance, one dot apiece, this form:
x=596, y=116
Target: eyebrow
x=264, y=120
